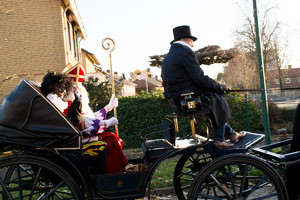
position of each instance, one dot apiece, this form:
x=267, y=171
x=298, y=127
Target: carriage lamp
x=189, y=103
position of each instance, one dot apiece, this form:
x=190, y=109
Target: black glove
x=74, y=112
x=223, y=89
x=77, y=95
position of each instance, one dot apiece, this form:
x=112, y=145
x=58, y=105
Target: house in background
x=128, y=88
x=147, y=84
x=290, y=78
x=290, y=84
x=145, y=81
x=92, y=67
x=37, y=36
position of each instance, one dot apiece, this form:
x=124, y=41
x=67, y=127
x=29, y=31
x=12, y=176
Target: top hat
x=182, y=32
x=76, y=73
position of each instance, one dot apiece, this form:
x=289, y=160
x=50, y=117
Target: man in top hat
x=181, y=72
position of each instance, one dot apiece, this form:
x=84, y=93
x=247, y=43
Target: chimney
x=289, y=66
x=156, y=77
x=116, y=73
x=108, y=71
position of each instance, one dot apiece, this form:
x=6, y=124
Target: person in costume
x=181, y=72
x=115, y=159
x=56, y=86
x=73, y=102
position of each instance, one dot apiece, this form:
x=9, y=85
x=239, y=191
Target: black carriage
x=42, y=158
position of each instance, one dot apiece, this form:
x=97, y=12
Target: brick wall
x=31, y=40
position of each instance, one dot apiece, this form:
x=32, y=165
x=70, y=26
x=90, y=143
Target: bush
x=136, y=113
x=139, y=112
x=279, y=117
x=238, y=120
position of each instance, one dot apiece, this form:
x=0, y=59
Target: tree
x=156, y=60
x=207, y=56
x=213, y=54
x=240, y=72
x=220, y=77
x=272, y=47
x=99, y=93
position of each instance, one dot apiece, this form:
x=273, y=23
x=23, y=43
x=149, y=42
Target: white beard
x=86, y=109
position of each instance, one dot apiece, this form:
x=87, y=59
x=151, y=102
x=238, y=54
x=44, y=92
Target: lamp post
x=264, y=96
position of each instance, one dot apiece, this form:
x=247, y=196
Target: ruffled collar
x=57, y=101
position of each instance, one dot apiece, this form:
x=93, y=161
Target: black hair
x=54, y=79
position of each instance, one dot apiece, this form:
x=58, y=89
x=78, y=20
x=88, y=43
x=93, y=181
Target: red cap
x=76, y=73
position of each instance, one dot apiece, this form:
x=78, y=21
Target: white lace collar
x=57, y=101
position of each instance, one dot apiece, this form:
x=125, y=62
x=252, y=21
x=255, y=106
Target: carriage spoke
x=256, y=186
x=232, y=180
x=19, y=182
x=266, y=196
x=243, y=182
x=35, y=183
x=5, y=189
x=218, y=184
x=53, y=190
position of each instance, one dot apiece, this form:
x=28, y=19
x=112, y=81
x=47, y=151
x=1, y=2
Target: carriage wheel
x=186, y=170
x=238, y=177
x=26, y=177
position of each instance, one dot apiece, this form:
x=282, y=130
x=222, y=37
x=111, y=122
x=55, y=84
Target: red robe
x=115, y=158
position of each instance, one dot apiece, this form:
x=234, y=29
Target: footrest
x=249, y=140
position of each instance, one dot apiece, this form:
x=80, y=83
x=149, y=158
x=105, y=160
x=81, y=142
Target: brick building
x=290, y=78
x=149, y=84
x=37, y=36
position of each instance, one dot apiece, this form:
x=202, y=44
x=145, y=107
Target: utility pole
x=264, y=97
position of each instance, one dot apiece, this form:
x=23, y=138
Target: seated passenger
x=55, y=86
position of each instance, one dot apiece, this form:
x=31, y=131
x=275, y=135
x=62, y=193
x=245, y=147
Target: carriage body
x=44, y=158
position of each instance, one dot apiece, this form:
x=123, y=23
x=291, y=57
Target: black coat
x=181, y=71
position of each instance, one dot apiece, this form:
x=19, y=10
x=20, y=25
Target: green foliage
x=238, y=120
x=288, y=114
x=136, y=113
x=139, y=112
x=279, y=117
x=99, y=93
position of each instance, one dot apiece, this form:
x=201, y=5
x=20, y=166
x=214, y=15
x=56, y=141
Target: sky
x=142, y=28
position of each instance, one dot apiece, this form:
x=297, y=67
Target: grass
x=163, y=176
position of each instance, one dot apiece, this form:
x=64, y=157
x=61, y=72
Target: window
x=277, y=81
x=288, y=80
x=298, y=79
x=69, y=35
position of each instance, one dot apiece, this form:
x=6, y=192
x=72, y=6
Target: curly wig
x=54, y=79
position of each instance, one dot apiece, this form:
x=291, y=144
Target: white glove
x=112, y=103
x=109, y=122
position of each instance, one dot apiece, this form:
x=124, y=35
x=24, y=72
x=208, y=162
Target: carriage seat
x=153, y=147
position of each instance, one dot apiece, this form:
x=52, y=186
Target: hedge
x=139, y=112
